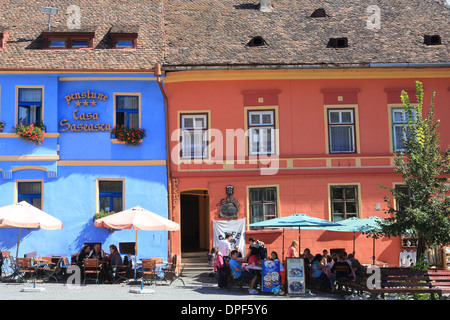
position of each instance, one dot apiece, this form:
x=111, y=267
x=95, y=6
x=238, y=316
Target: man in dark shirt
x=341, y=269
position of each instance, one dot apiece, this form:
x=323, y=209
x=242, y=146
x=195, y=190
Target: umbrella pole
x=282, y=259
x=373, y=258
x=18, y=242
x=135, y=256
x=353, y=243
x=299, y=241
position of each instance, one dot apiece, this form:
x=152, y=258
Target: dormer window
x=68, y=39
x=432, y=40
x=257, y=42
x=124, y=37
x=338, y=43
x=319, y=13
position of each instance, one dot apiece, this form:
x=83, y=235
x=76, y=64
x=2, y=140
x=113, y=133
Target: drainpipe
x=158, y=74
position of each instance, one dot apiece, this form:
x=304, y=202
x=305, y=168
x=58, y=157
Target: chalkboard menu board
x=295, y=275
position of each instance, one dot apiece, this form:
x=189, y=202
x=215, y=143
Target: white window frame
x=341, y=123
x=186, y=136
x=403, y=124
x=256, y=132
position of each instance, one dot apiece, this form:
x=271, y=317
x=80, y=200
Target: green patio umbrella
x=297, y=220
x=354, y=225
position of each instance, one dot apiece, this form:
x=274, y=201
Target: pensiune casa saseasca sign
x=84, y=100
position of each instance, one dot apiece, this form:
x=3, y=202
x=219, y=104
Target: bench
x=403, y=280
x=232, y=281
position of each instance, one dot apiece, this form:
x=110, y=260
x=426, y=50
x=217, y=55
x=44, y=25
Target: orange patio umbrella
x=24, y=215
x=139, y=219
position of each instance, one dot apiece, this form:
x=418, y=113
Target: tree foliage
x=424, y=211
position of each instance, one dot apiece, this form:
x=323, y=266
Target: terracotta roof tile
x=210, y=32
x=23, y=48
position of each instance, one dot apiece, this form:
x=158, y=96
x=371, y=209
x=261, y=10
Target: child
x=219, y=268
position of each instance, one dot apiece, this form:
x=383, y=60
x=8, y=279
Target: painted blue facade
x=70, y=164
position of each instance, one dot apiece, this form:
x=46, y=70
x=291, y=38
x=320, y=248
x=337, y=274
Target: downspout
x=158, y=74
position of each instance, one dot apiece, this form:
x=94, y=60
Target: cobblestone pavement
x=196, y=288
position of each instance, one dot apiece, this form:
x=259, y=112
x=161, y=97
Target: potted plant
x=31, y=132
x=131, y=136
x=2, y=125
x=102, y=214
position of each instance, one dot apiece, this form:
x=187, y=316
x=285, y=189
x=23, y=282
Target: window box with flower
x=31, y=132
x=2, y=125
x=102, y=214
x=129, y=136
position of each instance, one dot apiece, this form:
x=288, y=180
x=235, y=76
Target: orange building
x=293, y=128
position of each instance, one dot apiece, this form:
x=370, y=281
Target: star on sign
x=77, y=103
x=93, y=103
x=85, y=103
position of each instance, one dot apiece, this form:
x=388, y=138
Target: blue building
x=89, y=71
x=81, y=168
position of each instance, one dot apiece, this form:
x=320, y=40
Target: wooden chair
x=171, y=273
x=5, y=265
x=91, y=266
x=25, y=266
x=149, y=271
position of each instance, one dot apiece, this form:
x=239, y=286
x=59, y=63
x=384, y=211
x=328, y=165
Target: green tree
x=424, y=210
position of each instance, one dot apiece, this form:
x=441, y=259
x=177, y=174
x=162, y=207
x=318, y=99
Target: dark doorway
x=194, y=220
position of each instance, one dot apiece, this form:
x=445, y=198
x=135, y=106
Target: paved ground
x=196, y=288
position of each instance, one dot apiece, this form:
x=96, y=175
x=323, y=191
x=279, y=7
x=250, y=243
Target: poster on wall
x=295, y=274
x=237, y=230
x=271, y=281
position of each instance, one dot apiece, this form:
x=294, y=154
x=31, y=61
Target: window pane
x=24, y=115
x=350, y=193
x=267, y=118
x=398, y=116
x=105, y=204
x=117, y=204
x=188, y=123
x=133, y=119
x=199, y=123
x=79, y=44
x=334, y=117
x=257, y=213
x=269, y=211
x=37, y=202
x=269, y=194
x=124, y=44
x=57, y=44
x=347, y=117
x=29, y=187
x=350, y=207
x=120, y=118
x=127, y=102
x=337, y=193
x=30, y=95
x=341, y=139
x=256, y=195
x=399, y=136
x=254, y=119
x=338, y=207
x=110, y=186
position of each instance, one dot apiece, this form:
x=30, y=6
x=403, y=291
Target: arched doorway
x=195, y=223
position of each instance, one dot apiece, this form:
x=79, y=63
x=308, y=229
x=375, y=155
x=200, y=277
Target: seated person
x=341, y=269
x=83, y=254
x=115, y=263
x=98, y=253
x=238, y=272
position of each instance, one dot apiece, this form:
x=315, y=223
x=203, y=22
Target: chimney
x=265, y=6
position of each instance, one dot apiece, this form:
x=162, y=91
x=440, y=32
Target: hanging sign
x=80, y=116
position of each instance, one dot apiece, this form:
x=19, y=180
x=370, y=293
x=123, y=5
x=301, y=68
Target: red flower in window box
x=31, y=132
x=131, y=136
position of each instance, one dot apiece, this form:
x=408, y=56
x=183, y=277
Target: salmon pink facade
x=319, y=142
